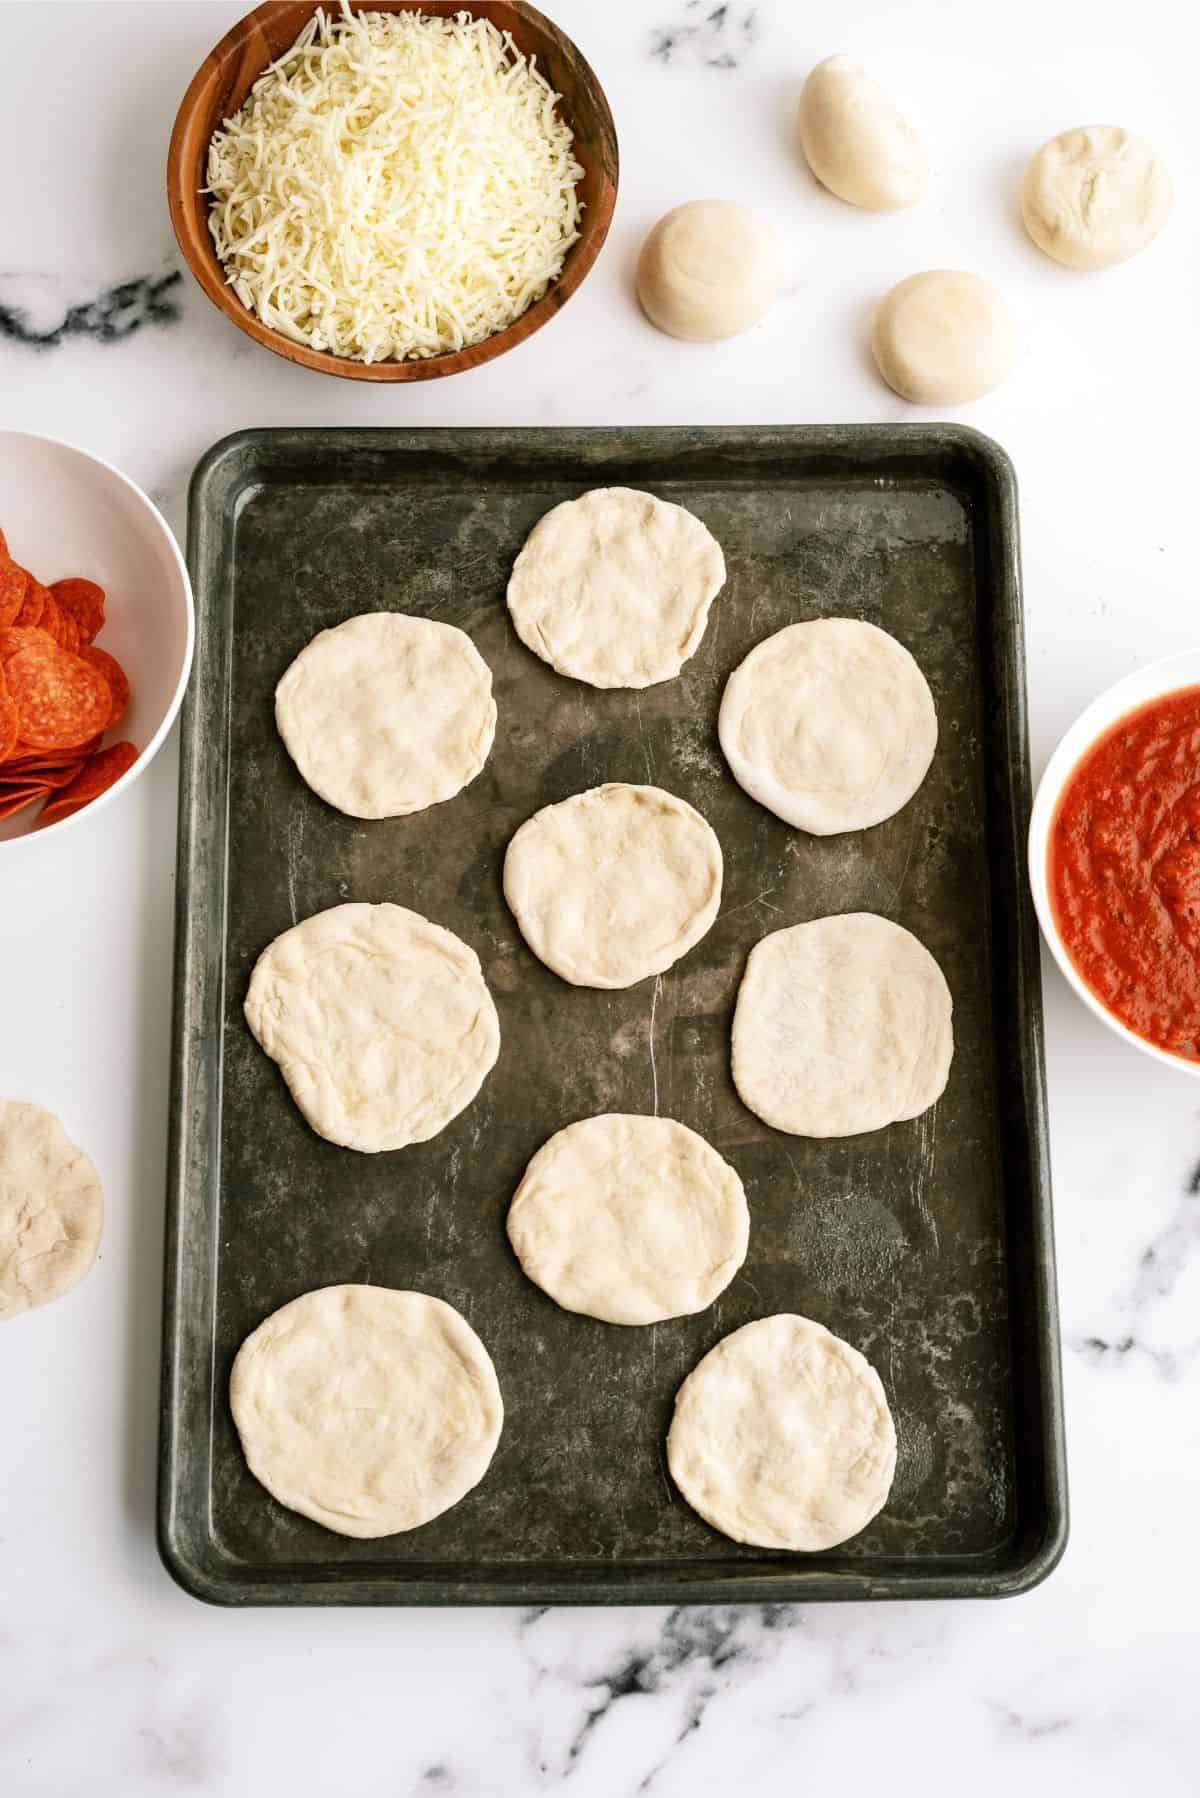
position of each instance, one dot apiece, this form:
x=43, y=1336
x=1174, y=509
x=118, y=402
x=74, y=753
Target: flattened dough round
x=782, y=1437
x=613, y=884
x=708, y=270
x=841, y=1025
x=381, y=1023
x=856, y=140
x=830, y=725
x=614, y=588
x=943, y=337
x=1095, y=196
x=51, y=1209
x=367, y=1409
x=387, y=714
x=630, y=1219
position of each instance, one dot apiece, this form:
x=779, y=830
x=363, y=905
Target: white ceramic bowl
x=1167, y=676
x=65, y=512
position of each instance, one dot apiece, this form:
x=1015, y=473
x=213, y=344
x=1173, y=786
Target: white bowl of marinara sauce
x=1112, y=719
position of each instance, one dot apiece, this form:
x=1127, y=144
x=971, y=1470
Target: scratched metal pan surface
x=927, y=1245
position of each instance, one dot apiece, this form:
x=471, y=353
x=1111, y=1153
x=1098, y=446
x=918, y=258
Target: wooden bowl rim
x=207, y=270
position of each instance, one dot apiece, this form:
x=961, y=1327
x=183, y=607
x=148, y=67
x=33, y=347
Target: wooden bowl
x=225, y=78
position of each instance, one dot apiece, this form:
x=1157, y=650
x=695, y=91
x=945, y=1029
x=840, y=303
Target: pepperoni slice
x=9, y=719
x=61, y=699
x=57, y=623
x=16, y=800
x=53, y=775
x=26, y=761
x=102, y=772
x=12, y=589
x=19, y=636
x=116, y=677
x=84, y=602
x=51, y=618
x=58, y=777
x=34, y=603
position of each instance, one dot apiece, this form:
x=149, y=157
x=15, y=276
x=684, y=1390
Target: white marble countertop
x=111, y=1680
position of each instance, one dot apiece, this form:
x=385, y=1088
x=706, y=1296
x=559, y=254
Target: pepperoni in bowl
x=96, y=632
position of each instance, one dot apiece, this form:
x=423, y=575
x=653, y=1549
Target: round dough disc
x=614, y=588
x=830, y=725
x=856, y=140
x=943, y=337
x=630, y=1219
x=782, y=1437
x=387, y=714
x=613, y=884
x=369, y=1410
x=708, y=270
x=51, y=1209
x=841, y=1025
x=1095, y=196
x=381, y=1023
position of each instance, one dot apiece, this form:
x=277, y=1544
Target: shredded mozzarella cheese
x=395, y=185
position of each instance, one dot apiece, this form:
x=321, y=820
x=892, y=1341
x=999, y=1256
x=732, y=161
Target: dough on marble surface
x=366, y=1409
x=1095, y=196
x=51, y=1209
x=630, y=1219
x=614, y=588
x=782, y=1437
x=830, y=725
x=856, y=140
x=387, y=714
x=614, y=884
x=841, y=1025
x=708, y=270
x=943, y=338
x=381, y=1023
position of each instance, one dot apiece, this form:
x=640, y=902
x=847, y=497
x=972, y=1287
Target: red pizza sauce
x=1124, y=870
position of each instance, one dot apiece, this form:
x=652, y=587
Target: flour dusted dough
x=857, y=142
x=943, y=337
x=51, y=1209
x=386, y=714
x=708, y=270
x=1095, y=196
x=367, y=1409
x=380, y=1021
x=782, y=1437
x=614, y=588
x=613, y=884
x=841, y=1025
x=830, y=725
x=630, y=1219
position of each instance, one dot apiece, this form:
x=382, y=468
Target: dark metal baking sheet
x=928, y=1245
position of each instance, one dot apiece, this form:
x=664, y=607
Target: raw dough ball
x=613, y=884
x=1095, y=196
x=830, y=725
x=857, y=142
x=369, y=1410
x=614, y=588
x=630, y=1219
x=380, y=1021
x=782, y=1437
x=708, y=269
x=386, y=714
x=842, y=1025
x=51, y=1209
x=943, y=338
